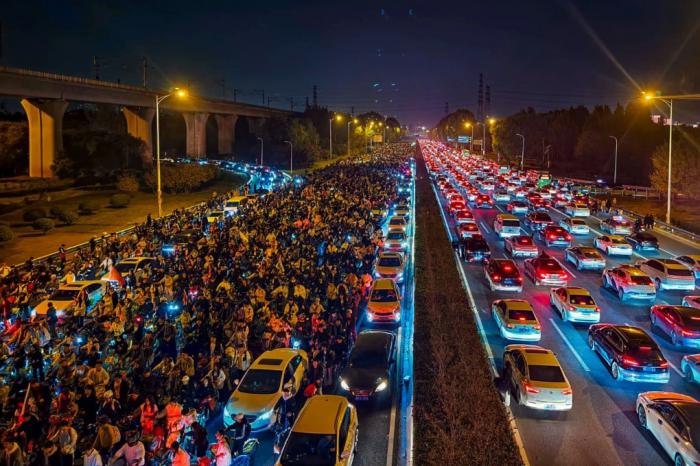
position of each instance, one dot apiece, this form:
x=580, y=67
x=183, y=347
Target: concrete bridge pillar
x=255, y=125
x=45, y=134
x=227, y=132
x=196, y=134
x=138, y=125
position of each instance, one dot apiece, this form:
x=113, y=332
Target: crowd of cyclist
x=140, y=376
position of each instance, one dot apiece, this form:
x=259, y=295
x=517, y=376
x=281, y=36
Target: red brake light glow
x=628, y=361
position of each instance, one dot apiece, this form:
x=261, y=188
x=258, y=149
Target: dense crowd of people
x=138, y=376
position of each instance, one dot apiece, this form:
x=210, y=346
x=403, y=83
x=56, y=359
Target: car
x=668, y=274
x=180, y=240
x=535, y=378
x=395, y=240
x=262, y=386
x=616, y=225
x=629, y=281
x=506, y=225
x=467, y=230
x=674, y=420
x=215, y=216
x=402, y=210
x=554, y=236
x=384, y=302
x=501, y=196
x=692, y=261
x=691, y=301
x=475, y=248
x=464, y=216
x=630, y=353
x=613, y=245
x=521, y=246
x=574, y=304
x=516, y=320
x=482, y=201
x=398, y=223
x=537, y=220
x=546, y=270
x=584, y=257
x=680, y=323
x=325, y=432
x=690, y=367
x=643, y=241
x=234, y=204
x=370, y=365
x=517, y=207
x=578, y=209
x=389, y=264
x=503, y=275
x=65, y=297
x=128, y=265
x=575, y=226
x=379, y=212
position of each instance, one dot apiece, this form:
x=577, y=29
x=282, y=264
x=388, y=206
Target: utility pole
x=522, y=152
x=96, y=67
x=222, y=83
x=268, y=102
x=480, y=106
x=145, y=73
x=235, y=94
x=487, y=105
x=315, y=96
x=615, y=169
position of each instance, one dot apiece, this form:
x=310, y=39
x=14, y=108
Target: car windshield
x=396, y=235
x=581, y=300
x=640, y=280
x=261, y=381
x=309, y=449
x=578, y=222
x=478, y=245
x=680, y=272
x=64, y=295
x=521, y=314
x=591, y=254
x=618, y=241
x=542, y=217
x=367, y=359
x=389, y=262
x=396, y=221
x=125, y=267
x=384, y=296
x=546, y=373
x=511, y=223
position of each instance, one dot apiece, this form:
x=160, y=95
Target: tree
x=685, y=168
x=14, y=148
x=305, y=139
x=454, y=124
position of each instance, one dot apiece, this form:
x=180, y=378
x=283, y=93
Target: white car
x=574, y=304
x=690, y=367
x=668, y=274
x=674, y=420
x=616, y=225
x=691, y=301
x=575, y=226
x=692, y=261
x=613, y=245
x=65, y=297
x=578, y=210
x=629, y=282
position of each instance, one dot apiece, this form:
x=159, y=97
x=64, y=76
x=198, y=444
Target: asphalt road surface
x=602, y=427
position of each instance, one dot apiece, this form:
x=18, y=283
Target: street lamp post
x=291, y=156
x=158, y=100
x=330, y=138
x=471, y=141
x=615, y=169
x=669, y=101
x=262, y=149
x=522, y=152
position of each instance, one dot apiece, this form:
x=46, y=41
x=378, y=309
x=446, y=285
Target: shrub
x=90, y=206
x=6, y=233
x=43, y=224
x=128, y=183
x=119, y=200
x=67, y=217
x=34, y=213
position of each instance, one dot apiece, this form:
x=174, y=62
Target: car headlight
x=344, y=385
x=266, y=415
x=382, y=385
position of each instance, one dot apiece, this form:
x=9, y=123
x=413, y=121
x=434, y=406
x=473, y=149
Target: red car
x=467, y=230
x=546, y=270
x=464, y=216
x=456, y=206
x=555, y=236
x=680, y=323
x=483, y=201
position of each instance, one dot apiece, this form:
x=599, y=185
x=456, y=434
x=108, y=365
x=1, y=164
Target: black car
x=474, y=249
x=369, y=368
x=630, y=353
x=643, y=241
x=538, y=220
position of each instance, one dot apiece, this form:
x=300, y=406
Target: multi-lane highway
x=602, y=427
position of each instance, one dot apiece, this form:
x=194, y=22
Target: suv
x=668, y=274
x=629, y=282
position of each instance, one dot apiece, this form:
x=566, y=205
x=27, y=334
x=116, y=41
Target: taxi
x=516, y=320
x=384, y=302
x=574, y=304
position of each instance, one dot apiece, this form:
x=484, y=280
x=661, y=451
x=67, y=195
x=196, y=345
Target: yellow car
x=574, y=304
x=535, y=378
x=516, y=320
x=325, y=432
x=65, y=297
x=261, y=387
x=384, y=304
x=215, y=216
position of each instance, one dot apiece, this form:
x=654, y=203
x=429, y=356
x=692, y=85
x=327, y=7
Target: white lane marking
x=483, y=225
x=392, y=417
x=567, y=269
x=571, y=347
x=673, y=366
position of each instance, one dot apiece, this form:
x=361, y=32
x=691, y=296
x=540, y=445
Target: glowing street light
x=330, y=133
x=471, y=141
x=181, y=93
x=648, y=97
x=355, y=121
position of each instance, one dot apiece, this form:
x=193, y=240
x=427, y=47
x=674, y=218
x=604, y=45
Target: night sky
x=401, y=58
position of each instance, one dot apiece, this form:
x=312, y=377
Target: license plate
x=361, y=398
x=649, y=369
x=549, y=406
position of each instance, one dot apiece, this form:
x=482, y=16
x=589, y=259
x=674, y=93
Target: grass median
x=458, y=415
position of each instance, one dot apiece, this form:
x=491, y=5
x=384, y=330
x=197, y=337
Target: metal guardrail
x=73, y=79
x=672, y=229
x=77, y=247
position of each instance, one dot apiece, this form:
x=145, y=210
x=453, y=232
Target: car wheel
x=688, y=374
x=679, y=461
x=652, y=319
x=674, y=338
x=642, y=416
x=564, y=316
x=621, y=294
x=591, y=342
x=657, y=283
x=615, y=371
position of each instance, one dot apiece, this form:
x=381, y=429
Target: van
x=506, y=225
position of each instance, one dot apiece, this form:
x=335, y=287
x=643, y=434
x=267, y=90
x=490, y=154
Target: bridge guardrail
x=672, y=229
x=72, y=79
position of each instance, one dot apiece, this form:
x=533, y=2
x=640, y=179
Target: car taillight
x=552, y=236
x=519, y=279
x=529, y=388
x=509, y=325
x=566, y=391
x=537, y=327
x=568, y=237
x=541, y=274
x=496, y=277
x=572, y=308
x=664, y=364
x=686, y=333
x=629, y=361
x=597, y=309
